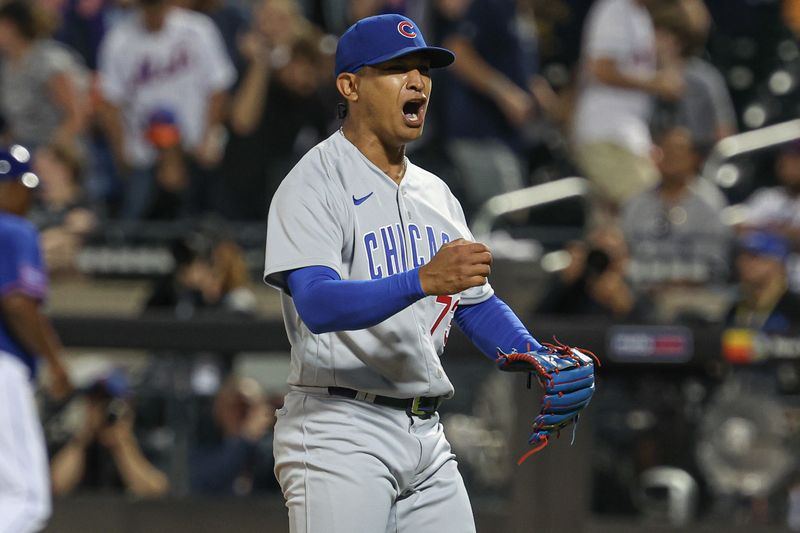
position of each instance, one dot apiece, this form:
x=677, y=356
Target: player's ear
x=347, y=84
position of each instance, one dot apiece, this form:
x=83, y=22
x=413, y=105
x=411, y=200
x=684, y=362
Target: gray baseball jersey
x=337, y=209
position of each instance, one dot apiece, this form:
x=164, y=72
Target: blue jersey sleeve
x=491, y=325
x=21, y=267
x=325, y=302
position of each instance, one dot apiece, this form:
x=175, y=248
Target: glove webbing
x=565, y=350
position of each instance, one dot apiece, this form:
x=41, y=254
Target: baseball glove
x=567, y=376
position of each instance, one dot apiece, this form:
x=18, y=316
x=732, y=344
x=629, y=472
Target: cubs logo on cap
x=406, y=29
x=380, y=38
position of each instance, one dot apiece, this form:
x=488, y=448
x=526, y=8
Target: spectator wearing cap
x=104, y=454
x=777, y=209
x=764, y=302
x=165, y=60
x=26, y=336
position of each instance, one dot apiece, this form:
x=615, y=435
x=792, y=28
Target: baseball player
x=25, y=335
x=374, y=259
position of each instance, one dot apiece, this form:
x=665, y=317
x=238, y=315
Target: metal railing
x=525, y=199
x=748, y=142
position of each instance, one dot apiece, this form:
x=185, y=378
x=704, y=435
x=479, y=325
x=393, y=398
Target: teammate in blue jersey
x=25, y=336
x=374, y=260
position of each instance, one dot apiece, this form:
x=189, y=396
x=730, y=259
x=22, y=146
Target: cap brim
x=440, y=57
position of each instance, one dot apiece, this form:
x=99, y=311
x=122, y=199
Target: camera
x=597, y=262
x=115, y=410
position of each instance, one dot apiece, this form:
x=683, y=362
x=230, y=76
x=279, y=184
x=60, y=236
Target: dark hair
x=20, y=13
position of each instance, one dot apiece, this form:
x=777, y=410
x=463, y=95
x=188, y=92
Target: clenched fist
x=457, y=266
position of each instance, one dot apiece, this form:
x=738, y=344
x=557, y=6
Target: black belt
x=422, y=406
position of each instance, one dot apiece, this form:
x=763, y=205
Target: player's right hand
x=457, y=266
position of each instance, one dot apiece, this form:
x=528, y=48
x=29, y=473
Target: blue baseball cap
x=373, y=40
x=765, y=244
x=15, y=165
x=113, y=383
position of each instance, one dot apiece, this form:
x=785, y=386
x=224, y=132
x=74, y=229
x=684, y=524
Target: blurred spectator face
x=452, y=9
x=199, y=276
x=154, y=13
x=8, y=35
x=301, y=73
x=699, y=21
x=230, y=267
x=360, y=9
x=678, y=160
x=788, y=169
x=233, y=403
x=757, y=270
x=17, y=25
x=277, y=20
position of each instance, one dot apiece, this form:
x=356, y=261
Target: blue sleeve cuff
x=491, y=325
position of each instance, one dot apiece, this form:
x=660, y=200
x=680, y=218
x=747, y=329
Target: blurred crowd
x=175, y=110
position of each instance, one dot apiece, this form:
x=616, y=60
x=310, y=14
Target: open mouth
x=414, y=112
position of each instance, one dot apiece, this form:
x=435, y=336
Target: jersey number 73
x=449, y=304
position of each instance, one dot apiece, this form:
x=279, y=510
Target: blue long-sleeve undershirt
x=491, y=324
x=326, y=303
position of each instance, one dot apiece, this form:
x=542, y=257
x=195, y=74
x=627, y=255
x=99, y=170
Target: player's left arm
x=566, y=374
x=492, y=325
x=23, y=286
x=35, y=333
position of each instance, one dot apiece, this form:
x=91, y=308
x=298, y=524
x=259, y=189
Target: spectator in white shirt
x=163, y=58
x=620, y=75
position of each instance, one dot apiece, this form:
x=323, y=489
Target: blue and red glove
x=567, y=376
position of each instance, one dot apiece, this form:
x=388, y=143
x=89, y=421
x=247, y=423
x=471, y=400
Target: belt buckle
x=423, y=412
